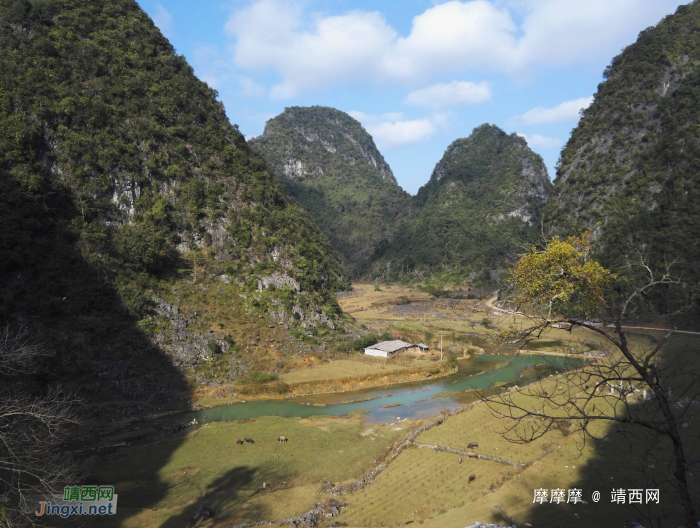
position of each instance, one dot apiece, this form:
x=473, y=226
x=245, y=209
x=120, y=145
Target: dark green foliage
x=367, y=340
x=434, y=289
x=474, y=212
x=262, y=377
x=632, y=165
x=107, y=132
x=331, y=166
x=364, y=341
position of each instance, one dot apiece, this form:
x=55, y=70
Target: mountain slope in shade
x=331, y=165
x=477, y=209
x=631, y=168
x=124, y=192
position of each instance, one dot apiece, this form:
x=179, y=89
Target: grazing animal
x=239, y=442
x=473, y=445
x=460, y=460
x=249, y=440
x=282, y=439
x=472, y=477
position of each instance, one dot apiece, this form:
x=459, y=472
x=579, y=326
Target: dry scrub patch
x=341, y=368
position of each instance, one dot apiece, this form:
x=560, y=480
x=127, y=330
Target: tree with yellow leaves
x=562, y=286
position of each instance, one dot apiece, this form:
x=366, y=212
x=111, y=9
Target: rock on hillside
x=632, y=165
x=481, y=202
x=332, y=167
x=122, y=181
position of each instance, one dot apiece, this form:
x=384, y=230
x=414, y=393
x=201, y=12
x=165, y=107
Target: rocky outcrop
x=482, y=199
x=335, y=171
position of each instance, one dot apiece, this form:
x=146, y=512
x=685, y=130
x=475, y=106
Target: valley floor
x=434, y=478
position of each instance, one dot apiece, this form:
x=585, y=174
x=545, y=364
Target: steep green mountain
x=632, y=165
x=332, y=167
x=124, y=192
x=477, y=209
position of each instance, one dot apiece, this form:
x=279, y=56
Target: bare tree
x=633, y=386
x=34, y=420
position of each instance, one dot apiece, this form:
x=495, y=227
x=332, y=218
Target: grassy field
x=209, y=468
x=431, y=488
x=460, y=322
x=347, y=369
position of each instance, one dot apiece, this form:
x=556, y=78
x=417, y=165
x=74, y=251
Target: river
x=417, y=400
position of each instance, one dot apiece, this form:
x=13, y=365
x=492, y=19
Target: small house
x=422, y=347
x=387, y=348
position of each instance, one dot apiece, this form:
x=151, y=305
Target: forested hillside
x=477, y=210
x=631, y=168
x=124, y=189
x=332, y=167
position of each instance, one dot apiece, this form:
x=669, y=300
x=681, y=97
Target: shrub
x=262, y=377
x=364, y=341
x=214, y=348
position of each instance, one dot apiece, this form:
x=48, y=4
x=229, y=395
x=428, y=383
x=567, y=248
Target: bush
x=263, y=377
x=214, y=348
x=364, y=341
x=436, y=290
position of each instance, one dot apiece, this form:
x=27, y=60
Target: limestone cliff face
x=332, y=167
x=480, y=203
x=125, y=190
x=490, y=155
x=630, y=168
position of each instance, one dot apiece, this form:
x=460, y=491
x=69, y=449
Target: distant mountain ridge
x=331, y=165
x=479, y=206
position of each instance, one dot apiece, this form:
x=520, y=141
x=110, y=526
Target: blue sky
x=417, y=74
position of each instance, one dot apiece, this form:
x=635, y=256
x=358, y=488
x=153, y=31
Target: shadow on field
x=618, y=464
x=628, y=458
x=72, y=308
x=224, y=491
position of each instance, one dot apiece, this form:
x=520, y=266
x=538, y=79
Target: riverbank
x=284, y=388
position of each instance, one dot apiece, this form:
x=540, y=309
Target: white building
x=387, y=348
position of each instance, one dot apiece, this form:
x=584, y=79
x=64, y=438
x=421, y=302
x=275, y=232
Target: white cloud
x=389, y=135
x=163, y=19
x=536, y=140
x=310, y=51
x=249, y=88
x=391, y=131
x=374, y=118
x=450, y=94
x=566, y=111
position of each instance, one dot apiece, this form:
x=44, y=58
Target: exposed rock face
x=630, y=168
x=121, y=176
x=481, y=200
x=334, y=170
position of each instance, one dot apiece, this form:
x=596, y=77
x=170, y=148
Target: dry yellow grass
x=210, y=468
x=341, y=368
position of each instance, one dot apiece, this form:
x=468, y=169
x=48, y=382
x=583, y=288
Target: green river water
x=417, y=399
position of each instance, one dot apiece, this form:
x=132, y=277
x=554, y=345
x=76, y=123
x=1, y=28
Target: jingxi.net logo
x=81, y=500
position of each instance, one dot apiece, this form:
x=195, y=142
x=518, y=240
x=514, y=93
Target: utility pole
x=440, y=346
